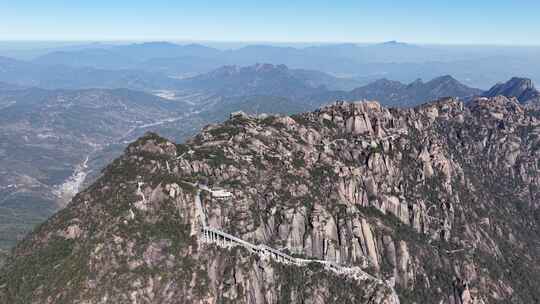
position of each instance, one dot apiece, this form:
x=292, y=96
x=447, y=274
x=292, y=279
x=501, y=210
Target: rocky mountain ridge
x=265, y=79
x=314, y=89
x=441, y=198
x=521, y=88
x=396, y=94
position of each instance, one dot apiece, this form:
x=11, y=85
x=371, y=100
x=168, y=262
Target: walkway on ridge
x=225, y=240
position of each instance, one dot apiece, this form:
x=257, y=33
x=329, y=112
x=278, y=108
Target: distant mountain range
x=123, y=56
x=29, y=74
x=299, y=85
x=8, y=86
x=476, y=67
x=127, y=56
x=311, y=87
x=21, y=73
x=397, y=94
x=265, y=79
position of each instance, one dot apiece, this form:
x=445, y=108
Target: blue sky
x=452, y=21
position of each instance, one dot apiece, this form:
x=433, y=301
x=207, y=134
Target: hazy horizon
x=225, y=44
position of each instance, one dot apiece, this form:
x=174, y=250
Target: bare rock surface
x=441, y=201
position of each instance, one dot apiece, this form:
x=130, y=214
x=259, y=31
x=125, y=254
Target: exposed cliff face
x=3, y=256
x=132, y=237
x=441, y=199
x=521, y=88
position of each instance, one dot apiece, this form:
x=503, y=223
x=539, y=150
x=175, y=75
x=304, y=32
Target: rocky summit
x=521, y=88
x=352, y=203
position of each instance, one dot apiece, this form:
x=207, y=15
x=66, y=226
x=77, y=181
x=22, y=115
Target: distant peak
x=386, y=82
x=156, y=43
x=393, y=43
x=226, y=69
x=268, y=67
x=418, y=81
x=521, y=88
x=445, y=78
x=347, y=44
x=516, y=84
x=229, y=67
x=195, y=45
x=524, y=83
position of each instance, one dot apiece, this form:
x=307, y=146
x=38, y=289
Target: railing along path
x=222, y=239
